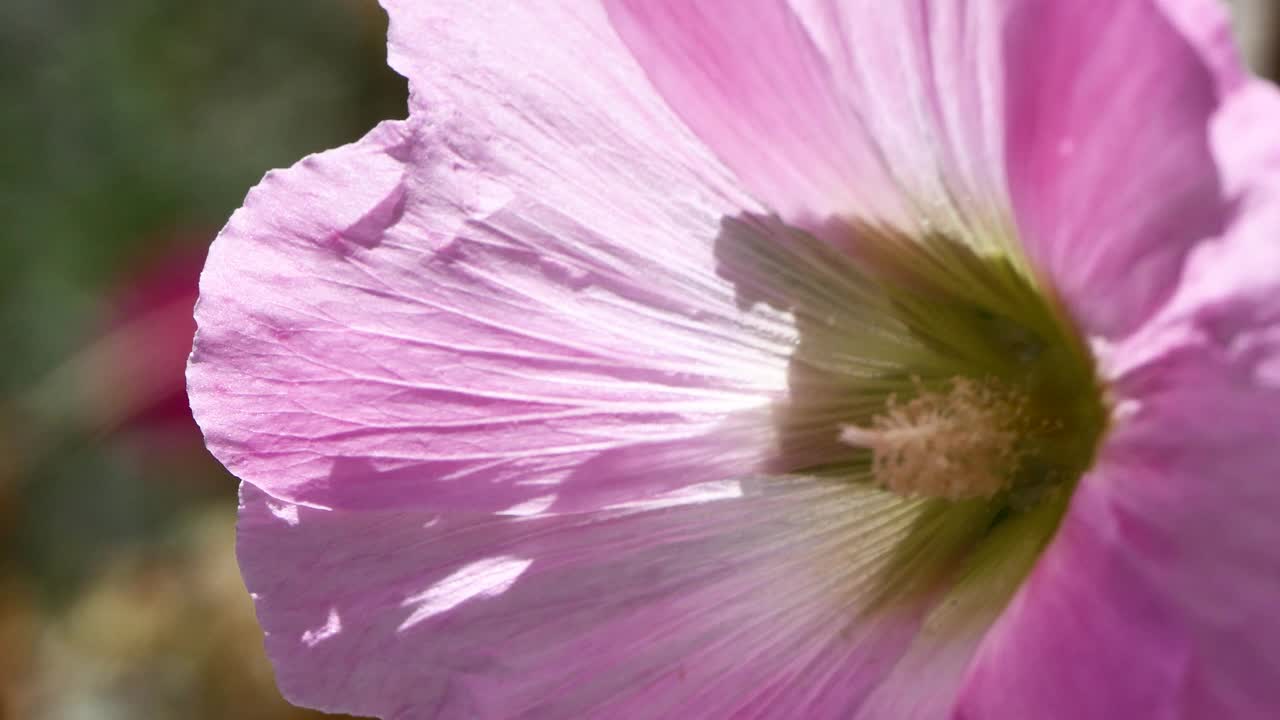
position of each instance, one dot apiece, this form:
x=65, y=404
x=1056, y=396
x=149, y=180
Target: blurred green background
x=135, y=128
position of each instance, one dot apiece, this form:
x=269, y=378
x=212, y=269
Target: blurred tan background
x=135, y=129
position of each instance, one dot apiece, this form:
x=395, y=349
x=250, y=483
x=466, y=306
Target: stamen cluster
x=957, y=444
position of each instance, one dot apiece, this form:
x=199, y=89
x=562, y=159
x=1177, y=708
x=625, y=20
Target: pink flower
x=775, y=360
x=136, y=368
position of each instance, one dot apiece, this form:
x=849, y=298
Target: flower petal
x=1245, y=141
x=745, y=607
x=1108, y=110
x=1207, y=24
x=977, y=110
x=424, y=319
x=1157, y=599
x=1238, y=274
x=749, y=80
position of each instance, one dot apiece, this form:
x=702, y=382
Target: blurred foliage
x=135, y=128
x=130, y=119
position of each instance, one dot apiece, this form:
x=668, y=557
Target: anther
x=957, y=444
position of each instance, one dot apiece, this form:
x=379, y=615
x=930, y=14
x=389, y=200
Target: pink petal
x=1239, y=273
x=1207, y=24
x=1087, y=123
x=749, y=80
x=732, y=608
x=925, y=82
x=888, y=112
x=1245, y=141
x=428, y=319
x=1108, y=109
x=548, y=87
x=1157, y=598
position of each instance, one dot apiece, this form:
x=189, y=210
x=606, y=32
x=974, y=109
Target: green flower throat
x=944, y=372
x=996, y=395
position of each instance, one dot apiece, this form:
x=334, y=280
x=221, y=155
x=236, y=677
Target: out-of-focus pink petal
x=1245, y=144
x=138, y=377
x=1232, y=280
x=1108, y=109
x=1235, y=279
x=1207, y=24
x=1157, y=598
x=430, y=319
x=742, y=607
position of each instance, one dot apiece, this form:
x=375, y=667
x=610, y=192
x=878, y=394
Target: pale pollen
x=959, y=443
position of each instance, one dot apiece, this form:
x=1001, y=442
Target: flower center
x=956, y=444
x=938, y=379
x=936, y=368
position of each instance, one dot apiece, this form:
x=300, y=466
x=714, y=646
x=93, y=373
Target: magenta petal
x=1108, y=110
x=1158, y=597
x=1207, y=24
x=733, y=608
